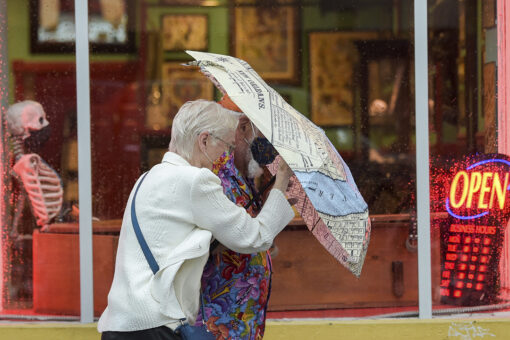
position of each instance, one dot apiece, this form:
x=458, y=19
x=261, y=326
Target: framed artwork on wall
x=181, y=2
x=180, y=84
x=267, y=37
x=181, y=32
x=334, y=57
x=111, y=26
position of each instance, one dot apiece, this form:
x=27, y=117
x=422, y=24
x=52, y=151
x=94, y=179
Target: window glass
x=468, y=223
x=39, y=241
x=347, y=67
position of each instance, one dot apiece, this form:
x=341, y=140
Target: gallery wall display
x=111, y=26
x=334, y=57
x=180, y=84
x=267, y=37
x=181, y=32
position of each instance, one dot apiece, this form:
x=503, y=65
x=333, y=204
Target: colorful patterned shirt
x=235, y=287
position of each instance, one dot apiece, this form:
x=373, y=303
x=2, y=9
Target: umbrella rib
x=315, y=225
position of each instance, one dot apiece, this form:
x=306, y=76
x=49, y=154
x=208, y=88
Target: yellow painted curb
x=48, y=331
x=416, y=329
x=462, y=329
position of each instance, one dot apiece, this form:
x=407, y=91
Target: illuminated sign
x=483, y=186
x=476, y=198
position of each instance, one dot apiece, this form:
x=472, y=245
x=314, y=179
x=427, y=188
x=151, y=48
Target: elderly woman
x=172, y=215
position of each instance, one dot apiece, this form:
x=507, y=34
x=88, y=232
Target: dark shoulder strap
x=141, y=240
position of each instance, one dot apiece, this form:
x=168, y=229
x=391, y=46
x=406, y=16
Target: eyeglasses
x=231, y=147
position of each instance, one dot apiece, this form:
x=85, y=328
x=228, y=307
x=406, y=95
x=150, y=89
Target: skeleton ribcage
x=43, y=187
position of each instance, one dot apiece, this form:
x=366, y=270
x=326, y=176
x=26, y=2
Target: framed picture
x=111, y=26
x=267, y=38
x=181, y=84
x=181, y=2
x=181, y=32
x=153, y=147
x=334, y=57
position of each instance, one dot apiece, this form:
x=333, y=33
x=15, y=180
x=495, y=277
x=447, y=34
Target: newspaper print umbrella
x=327, y=197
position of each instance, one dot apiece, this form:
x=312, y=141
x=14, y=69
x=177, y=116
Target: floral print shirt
x=235, y=287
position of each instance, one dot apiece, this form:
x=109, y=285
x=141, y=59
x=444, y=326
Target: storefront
x=414, y=99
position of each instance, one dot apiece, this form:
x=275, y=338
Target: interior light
x=452, y=247
x=454, y=239
x=451, y=257
x=445, y=292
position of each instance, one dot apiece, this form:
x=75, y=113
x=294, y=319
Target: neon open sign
x=482, y=186
x=476, y=198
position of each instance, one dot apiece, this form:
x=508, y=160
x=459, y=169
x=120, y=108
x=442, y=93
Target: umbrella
x=327, y=197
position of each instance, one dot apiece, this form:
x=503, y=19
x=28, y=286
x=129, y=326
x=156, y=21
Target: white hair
x=195, y=117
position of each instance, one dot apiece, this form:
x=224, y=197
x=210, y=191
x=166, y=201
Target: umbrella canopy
x=327, y=197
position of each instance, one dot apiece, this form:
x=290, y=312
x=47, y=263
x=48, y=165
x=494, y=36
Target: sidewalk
x=497, y=327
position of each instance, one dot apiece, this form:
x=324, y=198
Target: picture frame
x=333, y=61
x=111, y=26
x=153, y=147
x=181, y=2
x=180, y=84
x=267, y=37
x=180, y=32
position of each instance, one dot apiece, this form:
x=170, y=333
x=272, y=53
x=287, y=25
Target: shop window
x=348, y=66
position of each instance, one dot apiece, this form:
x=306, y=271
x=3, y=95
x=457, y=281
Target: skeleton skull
x=24, y=117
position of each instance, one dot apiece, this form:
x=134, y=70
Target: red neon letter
x=453, y=189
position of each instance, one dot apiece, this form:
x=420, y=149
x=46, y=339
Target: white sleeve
x=232, y=225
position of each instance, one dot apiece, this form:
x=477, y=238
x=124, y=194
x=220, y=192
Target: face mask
x=224, y=163
x=37, y=139
x=263, y=151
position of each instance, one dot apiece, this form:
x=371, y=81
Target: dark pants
x=158, y=333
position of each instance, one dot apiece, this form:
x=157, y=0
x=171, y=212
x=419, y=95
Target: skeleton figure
x=42, y=184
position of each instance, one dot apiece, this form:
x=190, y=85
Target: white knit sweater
x=179, y=208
